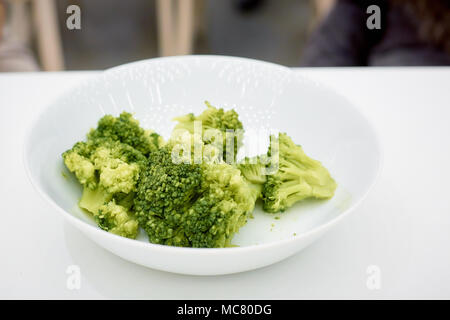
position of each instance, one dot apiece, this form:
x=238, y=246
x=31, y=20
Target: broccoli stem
x=92, y=199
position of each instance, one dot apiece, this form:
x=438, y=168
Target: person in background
x=412, y=33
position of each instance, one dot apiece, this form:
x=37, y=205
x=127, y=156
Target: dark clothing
x=343, y=39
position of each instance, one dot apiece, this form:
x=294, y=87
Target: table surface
x=402, y=228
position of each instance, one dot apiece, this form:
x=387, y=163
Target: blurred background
x=44, y=35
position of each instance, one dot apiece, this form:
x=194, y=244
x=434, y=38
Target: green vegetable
x=253, y=170
x=194, y=205
x=298, y=177
x=223, y=129
x=117, y=219
x=108, y=165
x=126, y=129
x=131, y=178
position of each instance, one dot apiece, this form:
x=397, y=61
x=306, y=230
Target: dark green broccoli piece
x=191, y=205
x=298, y=177
x=126, y=129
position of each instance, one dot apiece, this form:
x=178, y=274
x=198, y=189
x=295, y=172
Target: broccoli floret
x=117, y=219
x=211, y=118
x=162, y=190
x=113, y=165
x=125, y=200
x=115, y=174
x=112, y=212
x=286, y=175
x=298, y=177
x=253, y=170
x=126, y=129
x=222, y=208
x=108, y=165
x=83, y=167
x=213, y=121
x=191, y=205
x=92, y=199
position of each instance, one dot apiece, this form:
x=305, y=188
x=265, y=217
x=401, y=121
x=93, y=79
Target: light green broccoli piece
x=117, y=219
x=108, y=165
x=253, y=170
x=82, y=167
x=115, y=174
x=111, y=212
x=298, y=177
x=215, y=122
x=77, y=160
x=92, y=199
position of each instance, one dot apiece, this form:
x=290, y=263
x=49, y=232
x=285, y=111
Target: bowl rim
x=80, y=224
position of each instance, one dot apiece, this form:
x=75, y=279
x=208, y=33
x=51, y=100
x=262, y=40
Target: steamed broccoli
x=253, y=170
x=131, y=178
x=194, y=205
x=77, y=160
x=108, y=165
x=298, y=177
x=92, y=199
x=117, y=219
x=216, y=122
x=126, y=129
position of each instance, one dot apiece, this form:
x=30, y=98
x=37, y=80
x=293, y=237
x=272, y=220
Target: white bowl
x=266, y=95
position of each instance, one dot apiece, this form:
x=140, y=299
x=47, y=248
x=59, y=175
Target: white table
x=403, y=227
